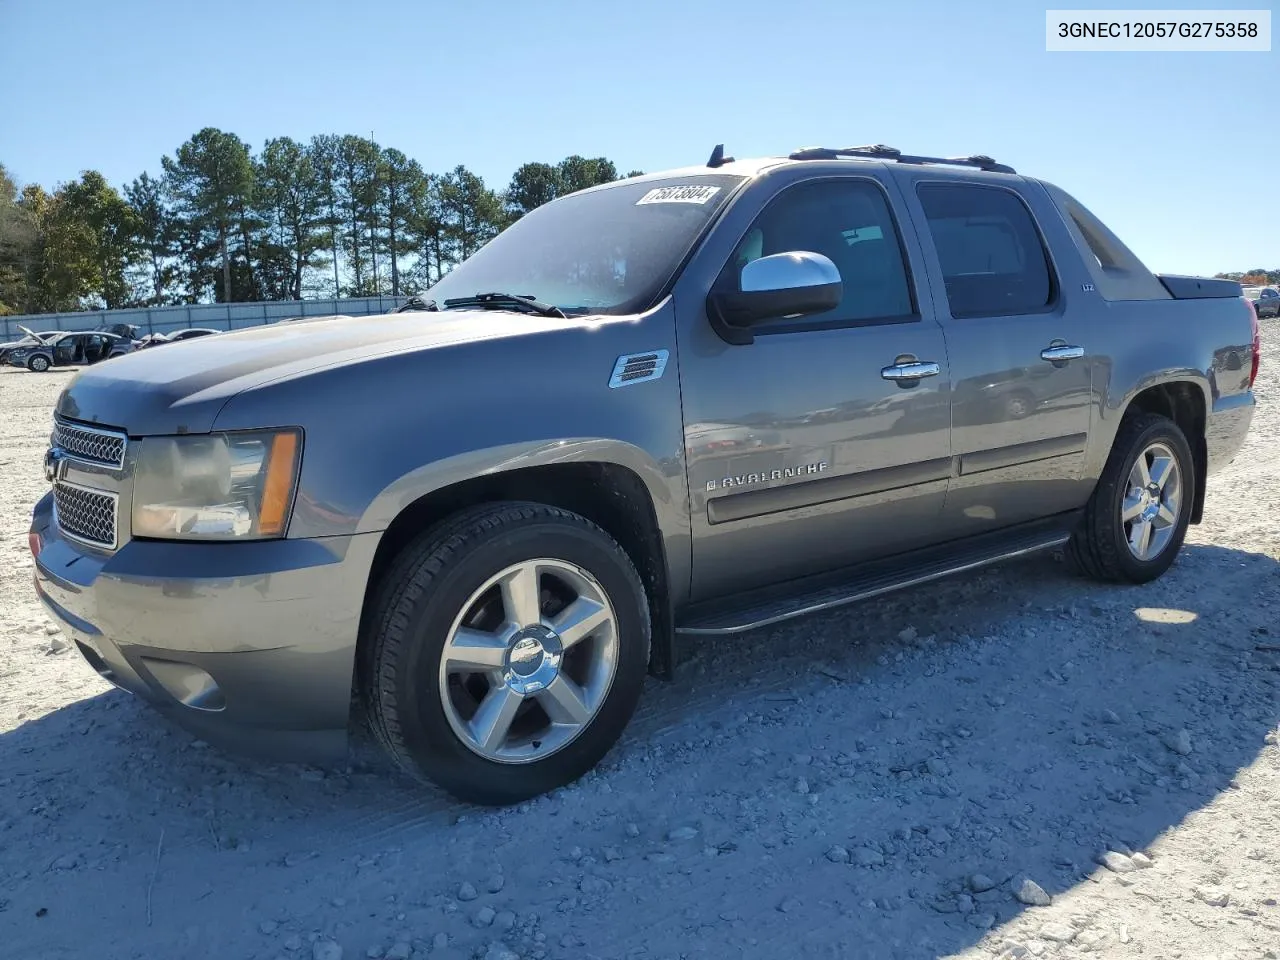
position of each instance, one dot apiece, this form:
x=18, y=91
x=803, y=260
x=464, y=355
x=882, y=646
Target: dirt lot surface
x=1017, y=763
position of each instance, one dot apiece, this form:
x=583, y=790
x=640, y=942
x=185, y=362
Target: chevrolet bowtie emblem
x=52, y=457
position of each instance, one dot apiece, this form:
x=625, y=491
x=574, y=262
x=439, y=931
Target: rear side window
x=993, y=260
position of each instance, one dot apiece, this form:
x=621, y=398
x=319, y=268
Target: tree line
x=1253, y=278
x=335, y=216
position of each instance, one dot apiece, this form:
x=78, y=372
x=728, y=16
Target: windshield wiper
x=506, y=301
x=416, y=303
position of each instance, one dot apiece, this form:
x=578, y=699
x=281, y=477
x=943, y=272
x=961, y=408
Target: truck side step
x=799, y=598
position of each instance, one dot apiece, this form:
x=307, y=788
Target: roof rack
x=879, y=151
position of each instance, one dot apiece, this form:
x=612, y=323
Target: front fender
x=664, y=482
x=383, y=432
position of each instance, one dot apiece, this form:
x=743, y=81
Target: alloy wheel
x=1150, y=508
x=529, y=661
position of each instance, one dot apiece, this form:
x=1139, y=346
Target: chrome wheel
x=1152, y=502
x=529, y=661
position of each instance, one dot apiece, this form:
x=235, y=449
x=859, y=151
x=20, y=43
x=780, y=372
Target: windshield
x=610, y=250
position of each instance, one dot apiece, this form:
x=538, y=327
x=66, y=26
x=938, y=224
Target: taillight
x=1257, y=343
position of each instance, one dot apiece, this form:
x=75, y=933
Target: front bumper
x=250, y=645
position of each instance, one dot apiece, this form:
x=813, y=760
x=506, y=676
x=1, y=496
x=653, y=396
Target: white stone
x=1032, y=894
x=1058, y=932
x=1117, y=862
x=1179, y=742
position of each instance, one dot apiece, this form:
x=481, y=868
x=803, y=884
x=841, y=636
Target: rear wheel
x=506, y=652
x=1137, y=518
x=38, y=364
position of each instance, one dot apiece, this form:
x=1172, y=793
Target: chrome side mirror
x=797, y=283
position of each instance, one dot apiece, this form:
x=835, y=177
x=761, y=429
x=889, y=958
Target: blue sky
x=1178, y=153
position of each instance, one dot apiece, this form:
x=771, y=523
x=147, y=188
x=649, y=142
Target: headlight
x=222, y=486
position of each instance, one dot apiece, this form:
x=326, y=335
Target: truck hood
x=180, y=387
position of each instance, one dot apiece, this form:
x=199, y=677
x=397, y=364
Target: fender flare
x=663, y=481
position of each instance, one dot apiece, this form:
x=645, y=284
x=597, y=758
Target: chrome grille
x=86, y=515
x=90, y=443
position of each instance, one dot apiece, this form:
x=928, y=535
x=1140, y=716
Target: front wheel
x=506, y=652
x=38, y=364
x=1137, y=518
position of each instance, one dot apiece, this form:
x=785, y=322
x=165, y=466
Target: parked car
x=728, y=399
x=70, y=349
x=29, y=339
x=1266, y=300
x=191, y=333
x=188, y=333
x=128, y=331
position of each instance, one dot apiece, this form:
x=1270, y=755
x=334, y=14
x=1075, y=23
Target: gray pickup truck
x=1266, y=301
x=690, y=403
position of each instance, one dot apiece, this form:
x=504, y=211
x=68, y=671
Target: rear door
x=805, y=449
x=1020, y=365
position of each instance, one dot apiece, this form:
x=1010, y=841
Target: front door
x=819, y=444
x=67, y=350
x=1019, y=363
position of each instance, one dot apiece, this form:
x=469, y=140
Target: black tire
x=425, y=589
x=1099, y=548
x=38, y=364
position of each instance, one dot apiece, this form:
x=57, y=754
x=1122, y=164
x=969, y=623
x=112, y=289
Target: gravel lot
x=1012, y=764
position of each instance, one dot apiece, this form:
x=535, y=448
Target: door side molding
x=791, y=496
x=981, y=461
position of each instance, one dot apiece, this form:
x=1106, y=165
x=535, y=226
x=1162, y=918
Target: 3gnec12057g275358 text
x=1117, y=31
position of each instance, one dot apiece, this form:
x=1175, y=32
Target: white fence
x=218, y=316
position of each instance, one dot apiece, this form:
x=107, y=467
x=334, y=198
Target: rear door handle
x=1060, y=352
x=911, y=371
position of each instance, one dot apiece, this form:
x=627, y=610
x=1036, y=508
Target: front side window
x=609, y=250
x=993, y=261
x=849, y=222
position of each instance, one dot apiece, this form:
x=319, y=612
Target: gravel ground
x=1017, y=763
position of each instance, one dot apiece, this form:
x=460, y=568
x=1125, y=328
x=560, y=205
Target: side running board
x=810, y=595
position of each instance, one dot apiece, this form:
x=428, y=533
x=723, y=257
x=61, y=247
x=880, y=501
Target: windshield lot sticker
x=689, y=194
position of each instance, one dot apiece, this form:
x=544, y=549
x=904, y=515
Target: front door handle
x=911, y=371
x=1061, y=352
